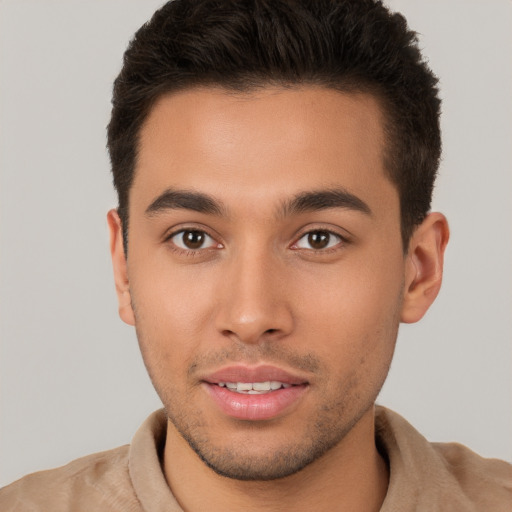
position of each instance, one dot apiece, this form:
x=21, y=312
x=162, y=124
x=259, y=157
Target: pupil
x=193, y=239
x=318, y=239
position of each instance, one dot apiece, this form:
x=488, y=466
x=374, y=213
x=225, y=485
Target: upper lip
x=261, y=373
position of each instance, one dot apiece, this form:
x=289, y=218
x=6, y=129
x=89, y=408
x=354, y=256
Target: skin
x=259, y=292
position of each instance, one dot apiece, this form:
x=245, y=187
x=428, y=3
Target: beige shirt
x=423, y=476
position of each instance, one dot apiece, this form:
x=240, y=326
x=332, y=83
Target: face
x=265, y=271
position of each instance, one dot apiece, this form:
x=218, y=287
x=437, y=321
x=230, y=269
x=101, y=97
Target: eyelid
x=344, y=239
x=330, y=245
x=209, y=242
x=176, y=230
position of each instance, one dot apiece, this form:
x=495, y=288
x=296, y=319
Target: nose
x=253, y=304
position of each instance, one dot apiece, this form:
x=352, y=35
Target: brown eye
x=318, y=240
x=192, y=240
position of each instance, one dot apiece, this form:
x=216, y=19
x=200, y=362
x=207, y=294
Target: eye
x=318, y=240
x=192, y=240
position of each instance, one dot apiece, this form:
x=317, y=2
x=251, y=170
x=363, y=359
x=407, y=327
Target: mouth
x=254, y=388
x=255, y=393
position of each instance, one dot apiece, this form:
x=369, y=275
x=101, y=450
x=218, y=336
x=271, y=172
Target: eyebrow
x=323, y=200
x=187, y=200
x=303, y=202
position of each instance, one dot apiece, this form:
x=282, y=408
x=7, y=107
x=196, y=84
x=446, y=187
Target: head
x=348, y=46
x=274, y=163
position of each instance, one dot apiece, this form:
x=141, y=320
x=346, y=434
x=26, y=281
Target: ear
x=424, y=266
x=120, y=268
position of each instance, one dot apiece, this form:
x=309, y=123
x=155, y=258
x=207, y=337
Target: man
x=274, y=163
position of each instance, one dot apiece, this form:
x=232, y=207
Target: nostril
x=270, y=331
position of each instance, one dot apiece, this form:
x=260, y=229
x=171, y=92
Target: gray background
x=72, y=381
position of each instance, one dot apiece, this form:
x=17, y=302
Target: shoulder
x=486, y=482
x=100, y=481
x=428, y=476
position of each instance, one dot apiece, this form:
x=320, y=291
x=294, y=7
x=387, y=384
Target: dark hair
x=347, y=45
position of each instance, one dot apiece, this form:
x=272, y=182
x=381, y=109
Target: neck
x=351, y=476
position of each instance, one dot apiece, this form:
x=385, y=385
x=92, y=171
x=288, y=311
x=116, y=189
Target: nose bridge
x=253, y=302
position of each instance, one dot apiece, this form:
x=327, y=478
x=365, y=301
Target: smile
x=255, y=393
x=254, y=388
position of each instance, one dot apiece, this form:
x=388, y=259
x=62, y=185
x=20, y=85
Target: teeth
x=261, y=386
x=254, y=388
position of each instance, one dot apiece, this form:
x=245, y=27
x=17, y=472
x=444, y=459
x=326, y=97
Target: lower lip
x=255, y=407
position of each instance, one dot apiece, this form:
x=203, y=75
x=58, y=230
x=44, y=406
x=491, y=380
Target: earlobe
x=424, y=266
x=120, y=267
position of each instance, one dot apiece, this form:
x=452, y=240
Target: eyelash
x=189, y=251
x=342, y=240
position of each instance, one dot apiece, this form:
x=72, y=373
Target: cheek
x=356, y=325
x=356, y=306
x=172, y=307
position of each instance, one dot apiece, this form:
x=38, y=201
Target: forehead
x=266, y=143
